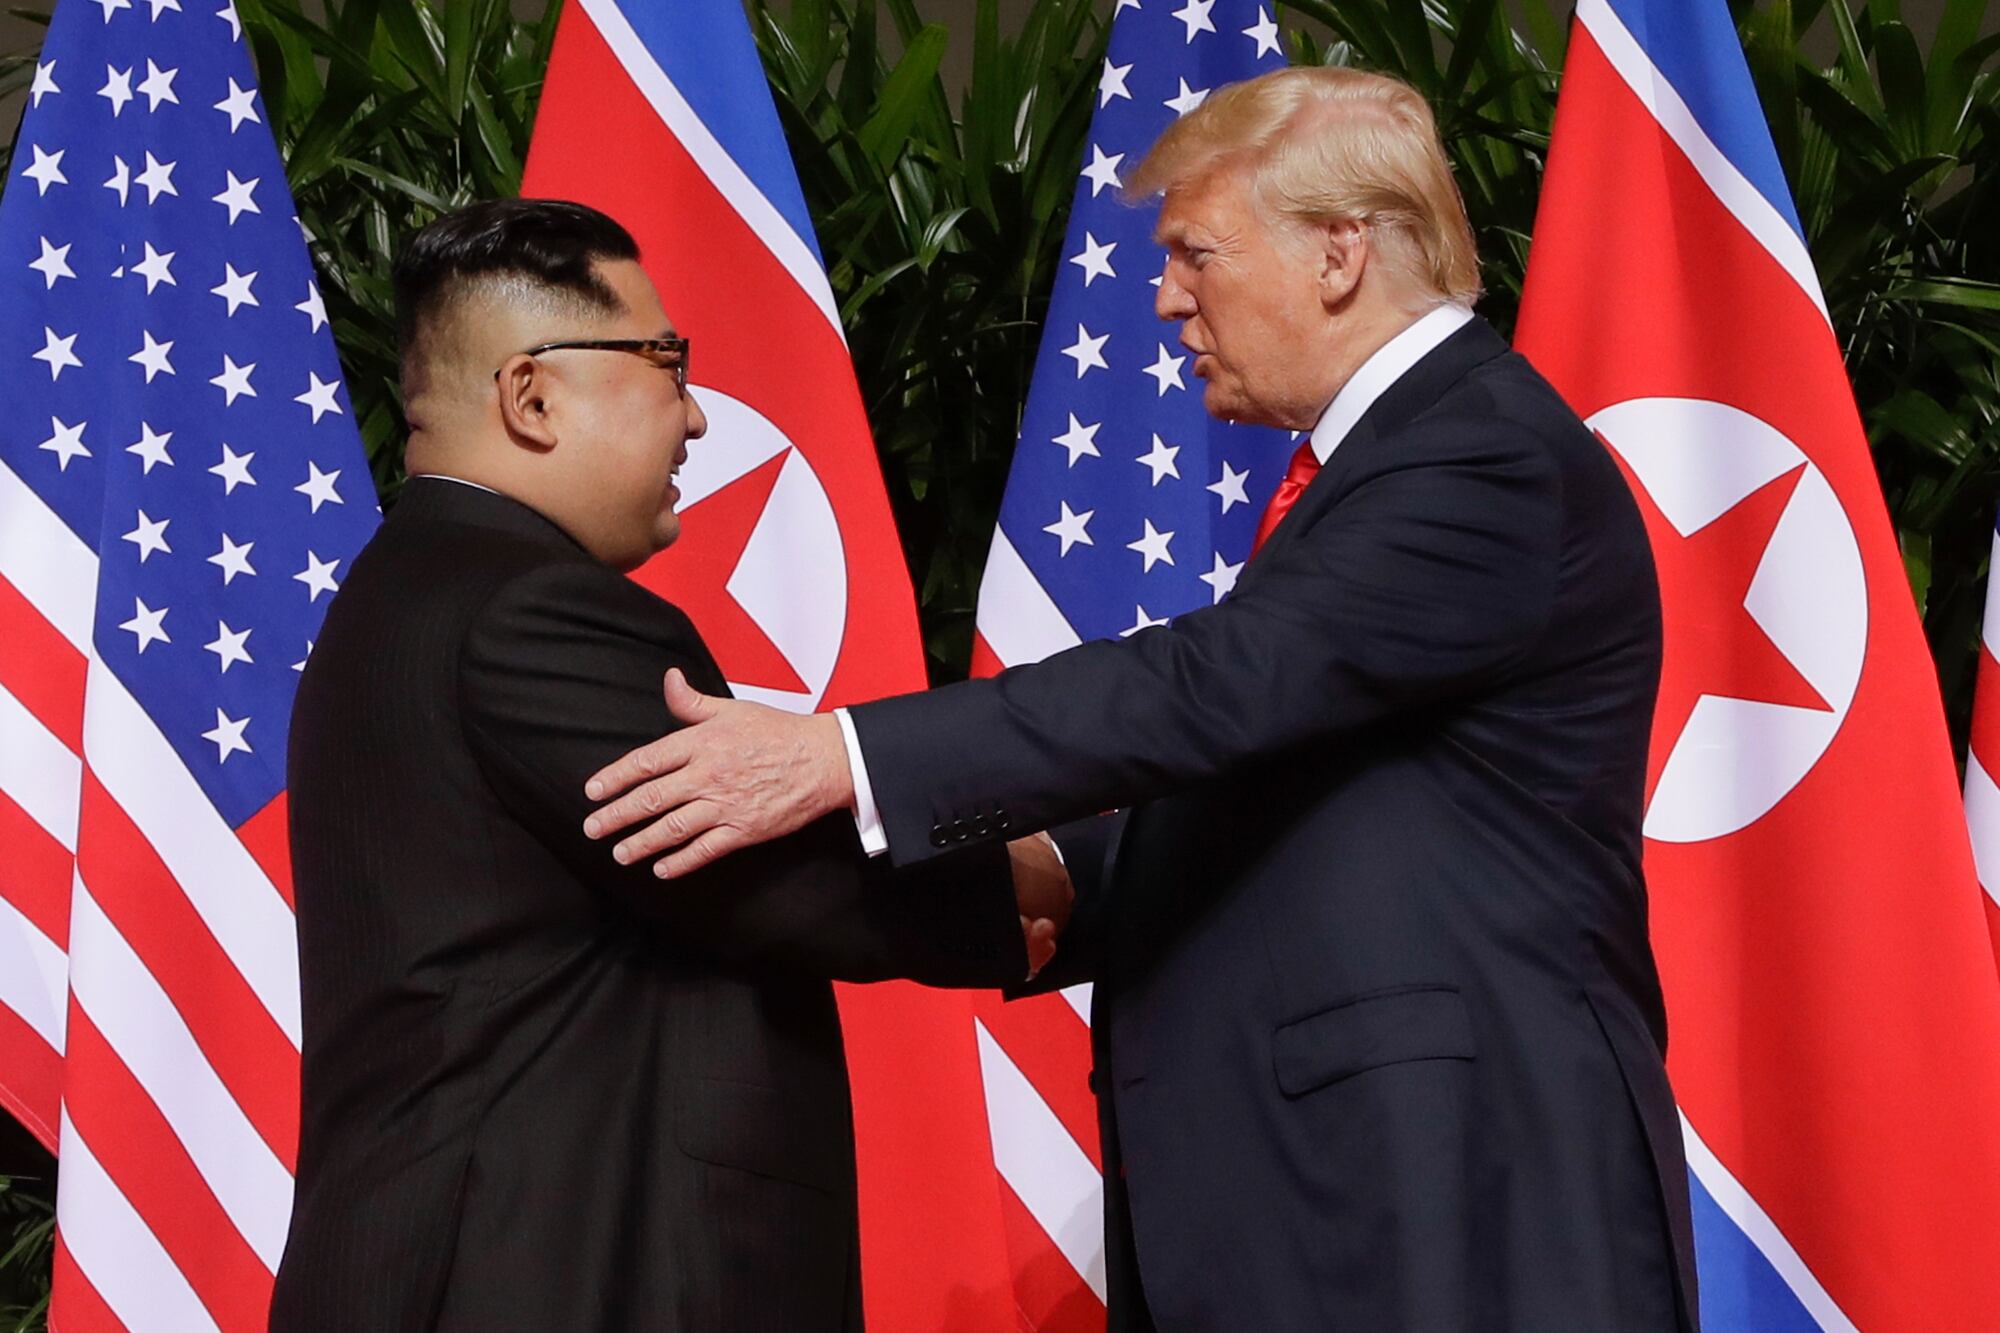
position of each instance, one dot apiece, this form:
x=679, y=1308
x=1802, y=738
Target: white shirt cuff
x=867, y=819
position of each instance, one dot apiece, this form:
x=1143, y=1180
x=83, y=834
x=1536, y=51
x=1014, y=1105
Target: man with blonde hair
x=1379, y=1038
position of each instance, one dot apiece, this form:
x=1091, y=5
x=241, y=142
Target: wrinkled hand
x=736, y=775
x=1043, y=892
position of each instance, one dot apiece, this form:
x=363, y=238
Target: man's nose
x=1174, y=300
x=697, y=420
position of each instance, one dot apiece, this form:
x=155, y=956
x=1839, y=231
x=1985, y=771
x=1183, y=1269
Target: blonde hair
x=1325, y=144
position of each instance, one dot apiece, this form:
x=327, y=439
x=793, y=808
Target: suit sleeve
x=561, y=673
x=1419, y=588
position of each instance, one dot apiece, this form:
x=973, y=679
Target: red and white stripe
x=1982, y=761
x=1034, y=1055
x=149, y=1001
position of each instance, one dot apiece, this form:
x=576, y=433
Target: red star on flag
x=694, y=575
x=1713, y=644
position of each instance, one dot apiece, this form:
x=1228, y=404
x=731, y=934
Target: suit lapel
x=1421, y=386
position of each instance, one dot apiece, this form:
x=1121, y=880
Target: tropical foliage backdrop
x=941, y=210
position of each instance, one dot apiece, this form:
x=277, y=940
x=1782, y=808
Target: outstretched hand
x=735, y=775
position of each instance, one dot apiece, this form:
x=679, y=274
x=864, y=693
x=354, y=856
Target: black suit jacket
x=541, y=1091
x=1379, y=1037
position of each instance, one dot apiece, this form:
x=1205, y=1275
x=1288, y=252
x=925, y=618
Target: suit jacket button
x=980, y=827
x=938, y=838
x=959, y=831
x=1001, y=821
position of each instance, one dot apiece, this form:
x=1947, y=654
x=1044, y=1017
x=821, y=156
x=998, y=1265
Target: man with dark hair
x=539, y=1093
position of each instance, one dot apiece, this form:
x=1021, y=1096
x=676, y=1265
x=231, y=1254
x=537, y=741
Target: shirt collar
x=1390, y=362
x=439, y=476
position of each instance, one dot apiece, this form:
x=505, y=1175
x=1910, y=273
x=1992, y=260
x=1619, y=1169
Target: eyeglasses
x=665, y=353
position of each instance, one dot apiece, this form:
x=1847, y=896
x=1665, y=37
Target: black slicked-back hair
x=547, y=246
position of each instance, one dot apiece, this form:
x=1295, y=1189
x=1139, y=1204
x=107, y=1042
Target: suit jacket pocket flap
x=755, y=1128
x=1428, y=1023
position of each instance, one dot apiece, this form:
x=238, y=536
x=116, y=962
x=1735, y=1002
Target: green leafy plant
x=27, y=1250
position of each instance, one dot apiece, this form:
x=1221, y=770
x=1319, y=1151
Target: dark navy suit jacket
x=1380, y=1041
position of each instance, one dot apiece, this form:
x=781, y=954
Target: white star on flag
x=159, y=86
x=153, y=356
x=235, y=288
x=227, y=735
x=1264, y=32
x=232, y=559
x=318, y=487
x=1143, y=621
x=161, y=6
x=300, y=665
x=319, y=396
x=150, y=536
x=1230, y=487
x=236, y=196
x=54, y=262
x=149, y=625
x=1161, y=460
x=117, y=89
x=239, y=106
x=158, y=178
x=45, y=82
x=1153, y=547
x=1095, y=261
x=151, y=447
x=58, y=352
x=228, y=646
x=313, y=306
x=1223, y=577
x=1167, y=371
x=228, y=15
x=1079, y=439
x=234, y=381
x=1070, y=528
x=1103, y=171
x=234, y=469
x=1194, y=14
x=154, y=268
x=112, y=6
x=1112, y=83
x=121, y=180
x=318, y=575
x=1087, y=351
x=46, y=168
x=66, y=443
x=1188, y=100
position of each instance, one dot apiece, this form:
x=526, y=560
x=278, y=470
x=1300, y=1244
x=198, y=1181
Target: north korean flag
x=1831, y=990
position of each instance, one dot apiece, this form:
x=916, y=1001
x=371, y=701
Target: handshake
x=736, y=774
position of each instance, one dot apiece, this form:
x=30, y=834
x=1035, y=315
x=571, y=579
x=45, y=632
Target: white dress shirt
x=439, y=476
x=1389, y=363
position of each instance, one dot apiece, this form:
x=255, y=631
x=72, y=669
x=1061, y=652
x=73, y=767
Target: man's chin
x=1223, y=403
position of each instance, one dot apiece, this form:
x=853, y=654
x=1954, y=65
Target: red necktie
x=1305, y=466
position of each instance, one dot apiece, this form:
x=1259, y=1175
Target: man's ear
x=1344, y=253
x=524, y=385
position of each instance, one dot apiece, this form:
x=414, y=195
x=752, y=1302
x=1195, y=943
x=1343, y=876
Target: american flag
x=1982, y=758
x=181, y=489
x=1127, y=505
